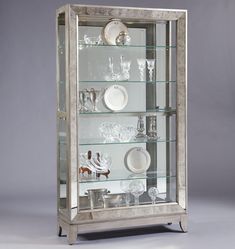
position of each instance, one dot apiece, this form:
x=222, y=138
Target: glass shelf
x=152, y=112
x=129, y=81
x=100, y=141
x=117, y=176
x=85, y=46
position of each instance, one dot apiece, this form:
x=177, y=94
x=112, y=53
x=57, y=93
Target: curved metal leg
x=59, y=231
x=169, y=223
x=184, y=224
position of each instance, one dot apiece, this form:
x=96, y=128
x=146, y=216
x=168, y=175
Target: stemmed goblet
x=150, y=64
x=83, y=100
x=95, y=96
x=126, y=65
x=137, y=189
x=141, y=64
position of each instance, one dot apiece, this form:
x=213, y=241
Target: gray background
x=28, y=99
x=28, y=94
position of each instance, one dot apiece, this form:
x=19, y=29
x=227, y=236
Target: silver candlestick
x=152, y=130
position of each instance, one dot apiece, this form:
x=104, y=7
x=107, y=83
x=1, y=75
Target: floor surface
x=32, y=224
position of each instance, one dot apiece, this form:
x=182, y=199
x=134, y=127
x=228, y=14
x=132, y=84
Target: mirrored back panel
x=127, y=113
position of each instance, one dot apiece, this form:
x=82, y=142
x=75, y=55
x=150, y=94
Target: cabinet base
x=73, y=230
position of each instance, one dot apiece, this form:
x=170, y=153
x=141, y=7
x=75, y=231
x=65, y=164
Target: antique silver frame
x=71, y=220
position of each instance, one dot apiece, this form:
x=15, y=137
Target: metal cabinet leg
x=72, y=234
x=184, y=224
x=59, y=231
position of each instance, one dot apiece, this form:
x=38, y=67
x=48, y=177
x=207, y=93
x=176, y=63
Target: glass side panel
x=61, y=121
x=61, y=55
x=126, y=130
x=62, y=157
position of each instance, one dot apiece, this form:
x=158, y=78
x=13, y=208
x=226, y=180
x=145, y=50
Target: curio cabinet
x=121, y=118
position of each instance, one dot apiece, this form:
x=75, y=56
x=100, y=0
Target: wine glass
x=110, y=76
x=125, y=187
x=141, y=64
x=126, y=65
x=95, y=97
x=83, y=100
x=137, y=189
x=150, y=64
x=153, y=193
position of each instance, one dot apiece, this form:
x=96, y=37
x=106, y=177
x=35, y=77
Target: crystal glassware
x=111, y=76
x=125, y=187
x=141, y=64
x=136, y=189
x=153, y=193
x=95, y=96
x=101, y=161
x=140, y=127
x=89, y=40
x=152, y=130
x=123, y=38
x=110, y=131
x=125, y=65
x=83, y=100
x=150, y=64
x=126, y=133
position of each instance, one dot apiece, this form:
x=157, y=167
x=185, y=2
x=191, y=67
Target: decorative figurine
x=97, y=163
x=106, y=174
x=83, y=170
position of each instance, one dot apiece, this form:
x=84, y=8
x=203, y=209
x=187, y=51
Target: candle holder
x=140, y=128
x=152, y=130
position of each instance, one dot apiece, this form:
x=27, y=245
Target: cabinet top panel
x=137, y=14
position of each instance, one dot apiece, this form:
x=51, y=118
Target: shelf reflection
x=116, y=176
x=100, y=141
x=144, y=113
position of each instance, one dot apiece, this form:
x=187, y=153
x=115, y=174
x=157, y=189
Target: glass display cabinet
x=121, y=118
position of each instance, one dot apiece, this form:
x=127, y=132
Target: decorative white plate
x=116, y=97
x=137, y=160
x=111, y=31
